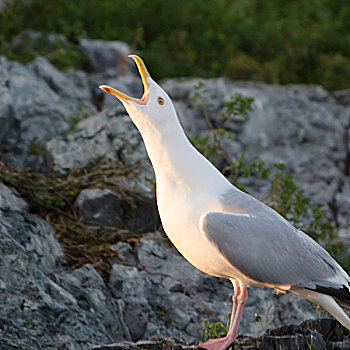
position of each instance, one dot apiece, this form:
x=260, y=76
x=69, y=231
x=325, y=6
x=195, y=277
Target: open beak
x=144, y=74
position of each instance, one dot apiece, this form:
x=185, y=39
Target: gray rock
x=116, y=138
x=101, y=135
x=160, y=285
x=125, y=253
x=302, y=126
x=43, y=306
x=33, y=110
x=105, y=55
x=36, y=237
x=33, y=233
x=105, y=207
x=11, y=200
x=101, y=206
x=93, y=296
x=37, y=312
x=68, y=310
x=157, y=344
x=136, y=321
x=342, y=96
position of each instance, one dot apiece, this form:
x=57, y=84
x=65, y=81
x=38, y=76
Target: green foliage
x=75, y=119
x=212, y=147
x=286, y=197
x=289, y=200
x=61, y=52
x=36, y=147
x=240, y=167
x=275, y=41
x=214, y=330
x=237, y=105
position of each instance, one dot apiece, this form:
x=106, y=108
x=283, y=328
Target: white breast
x=180, y=209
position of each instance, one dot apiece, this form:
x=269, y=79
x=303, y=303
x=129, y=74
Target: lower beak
x=144, y=75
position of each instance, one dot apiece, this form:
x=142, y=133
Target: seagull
x=221, y=230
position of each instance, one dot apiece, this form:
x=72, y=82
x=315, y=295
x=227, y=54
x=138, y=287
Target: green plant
x=36, y=147
x=60, y=51
x=215, y=329
x=236, y=105
x=279, y=41
x=308, y=342
x=286, y=197
x=258, y=317
x=75, y=119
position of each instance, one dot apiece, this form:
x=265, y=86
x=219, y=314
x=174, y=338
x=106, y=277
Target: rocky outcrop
x=37, y=102
x=52, y=119
x=316, y=335
x=44, y=303
x=159, y=283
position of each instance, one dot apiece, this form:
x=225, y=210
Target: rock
x=112, y=137
x=102, y=135
x=93, y=296
x=136, y=321
x=32, y=232
x=105, y=55
x=160, y=285
x=289, y=124
x=309, y=335
x=342, y=96
x=33, y=110
x=126, y=253
x=36, y=311
x=41, y=304
x=37, y=238
x=105, y=207
x=11, y=200
x=160, y=344
x=318, y=334
x=101, y=206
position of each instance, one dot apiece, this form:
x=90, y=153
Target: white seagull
x=221, y=230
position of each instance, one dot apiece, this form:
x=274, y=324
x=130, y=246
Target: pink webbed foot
x=217, y=344
x=239, y=300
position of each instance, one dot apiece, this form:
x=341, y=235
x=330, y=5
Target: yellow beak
x=144, y=74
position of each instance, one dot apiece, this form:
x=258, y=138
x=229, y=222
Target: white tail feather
x=327, y=302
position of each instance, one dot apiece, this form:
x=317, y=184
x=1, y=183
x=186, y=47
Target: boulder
x=37, y=101
x=106, y=55
x=44, y=303
x=160, y=287
x=108, y=208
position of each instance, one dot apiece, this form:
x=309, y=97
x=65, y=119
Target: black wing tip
x=342, y=294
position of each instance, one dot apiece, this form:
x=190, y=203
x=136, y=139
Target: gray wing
x=267, y=248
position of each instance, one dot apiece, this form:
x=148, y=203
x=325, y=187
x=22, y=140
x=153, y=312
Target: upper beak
x=144, y=74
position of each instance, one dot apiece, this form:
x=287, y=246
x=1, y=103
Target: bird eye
x=161, y=100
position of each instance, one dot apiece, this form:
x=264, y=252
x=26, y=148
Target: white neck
x=175, y=159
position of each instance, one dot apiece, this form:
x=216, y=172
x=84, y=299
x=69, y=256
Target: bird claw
x=216, y=344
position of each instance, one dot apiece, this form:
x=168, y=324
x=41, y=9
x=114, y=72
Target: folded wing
x=268, y=249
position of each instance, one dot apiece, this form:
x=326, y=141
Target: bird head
x=152, y=106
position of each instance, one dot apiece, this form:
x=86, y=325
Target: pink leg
x=239, y=300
